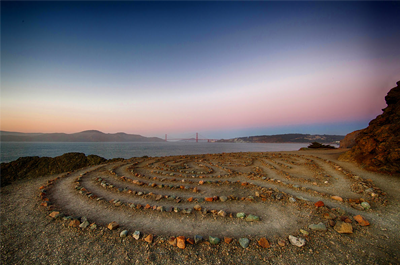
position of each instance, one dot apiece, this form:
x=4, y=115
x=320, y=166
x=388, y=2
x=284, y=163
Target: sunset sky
x=223, y=69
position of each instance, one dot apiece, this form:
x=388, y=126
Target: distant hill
x=286, y=138
x=85, y=136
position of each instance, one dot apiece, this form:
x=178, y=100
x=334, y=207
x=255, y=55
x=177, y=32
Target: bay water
x=11, y=151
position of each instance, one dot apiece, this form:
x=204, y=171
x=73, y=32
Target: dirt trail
x=274, y=191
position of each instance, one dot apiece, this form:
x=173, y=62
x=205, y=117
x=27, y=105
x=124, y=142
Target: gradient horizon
x=223, y=69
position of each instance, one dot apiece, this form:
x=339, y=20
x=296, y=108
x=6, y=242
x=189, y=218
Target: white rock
x=297, y=241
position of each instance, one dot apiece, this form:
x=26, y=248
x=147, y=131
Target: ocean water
x=11, y=151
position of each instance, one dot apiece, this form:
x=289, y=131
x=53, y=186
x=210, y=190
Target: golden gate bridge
x=197, y=139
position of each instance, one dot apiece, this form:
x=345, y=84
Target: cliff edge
x=377, y=147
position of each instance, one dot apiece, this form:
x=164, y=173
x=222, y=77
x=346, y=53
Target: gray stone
x=279, y=196
x=214, y=240
x=366, y=205
x=241, y=215
x=252, y=218
x=124, y=233
x=244, y=242
x=84, y=224
x=136, y=235
x=318, y=227
x=223, y=198
x=291, y=199
x=198, y=239
x=297, y=241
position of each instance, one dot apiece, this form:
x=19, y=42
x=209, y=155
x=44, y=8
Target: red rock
x=172, y=241
x=45, y=204
x=319, y=204
x=201, y=182
x=228, y=240
x=281, y=243
x=46, y=199
x=42, y=187
x=147, y=206
x=208, y=199
x=139, y=206
x=190, y=240
x=74, y=223
x=195, y=189
x=361, y=220
x=263, y=242
x=337, y=198
x=113, y=225
x=190, y=199
x=54, y=214
x=148, y=238
x=180, y=242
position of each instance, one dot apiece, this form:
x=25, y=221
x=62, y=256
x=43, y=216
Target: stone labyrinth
x=186, y=200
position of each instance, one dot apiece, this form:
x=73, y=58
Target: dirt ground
x=159, y=196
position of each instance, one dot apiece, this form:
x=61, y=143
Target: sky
x=222, y=69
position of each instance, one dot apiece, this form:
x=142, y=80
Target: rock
x=74, y=223
x=291, y=199
x=222, y=213
x=136, y=235
x=158, y=197
x=228, y=240
x=252, y=218
x=180, y=242
x=208, y=199
x=54, y=214
x=34, y=166
x=172, y=241
x=337, y=198
x=281, y=243
x=223, y=198
x=263, y=242
x=319, y=204
x=244, y=242
x=214, y=240
x=241, y=215
x=190, y=240
x=93, y=226
x=304, y=232
x=349, y=140
x=329, y=216
x=366, y=205
x=197, y=207
x=113, y=225
x=297, y=241
x=377, y=147
x=317, y=227
x=84, y=224
x=149, y=238
x=361, y=220
x=343, y=228
x=124, y=233
x=198, y=239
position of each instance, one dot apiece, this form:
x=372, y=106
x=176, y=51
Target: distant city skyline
x=222, y=69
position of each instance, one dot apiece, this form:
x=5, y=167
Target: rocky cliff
x=349, y=140
x=34, y=166
x=377, y=147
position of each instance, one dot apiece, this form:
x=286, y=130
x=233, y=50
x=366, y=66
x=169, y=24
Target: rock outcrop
x=34, y=166
x=377, y=147
x=349, y=140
